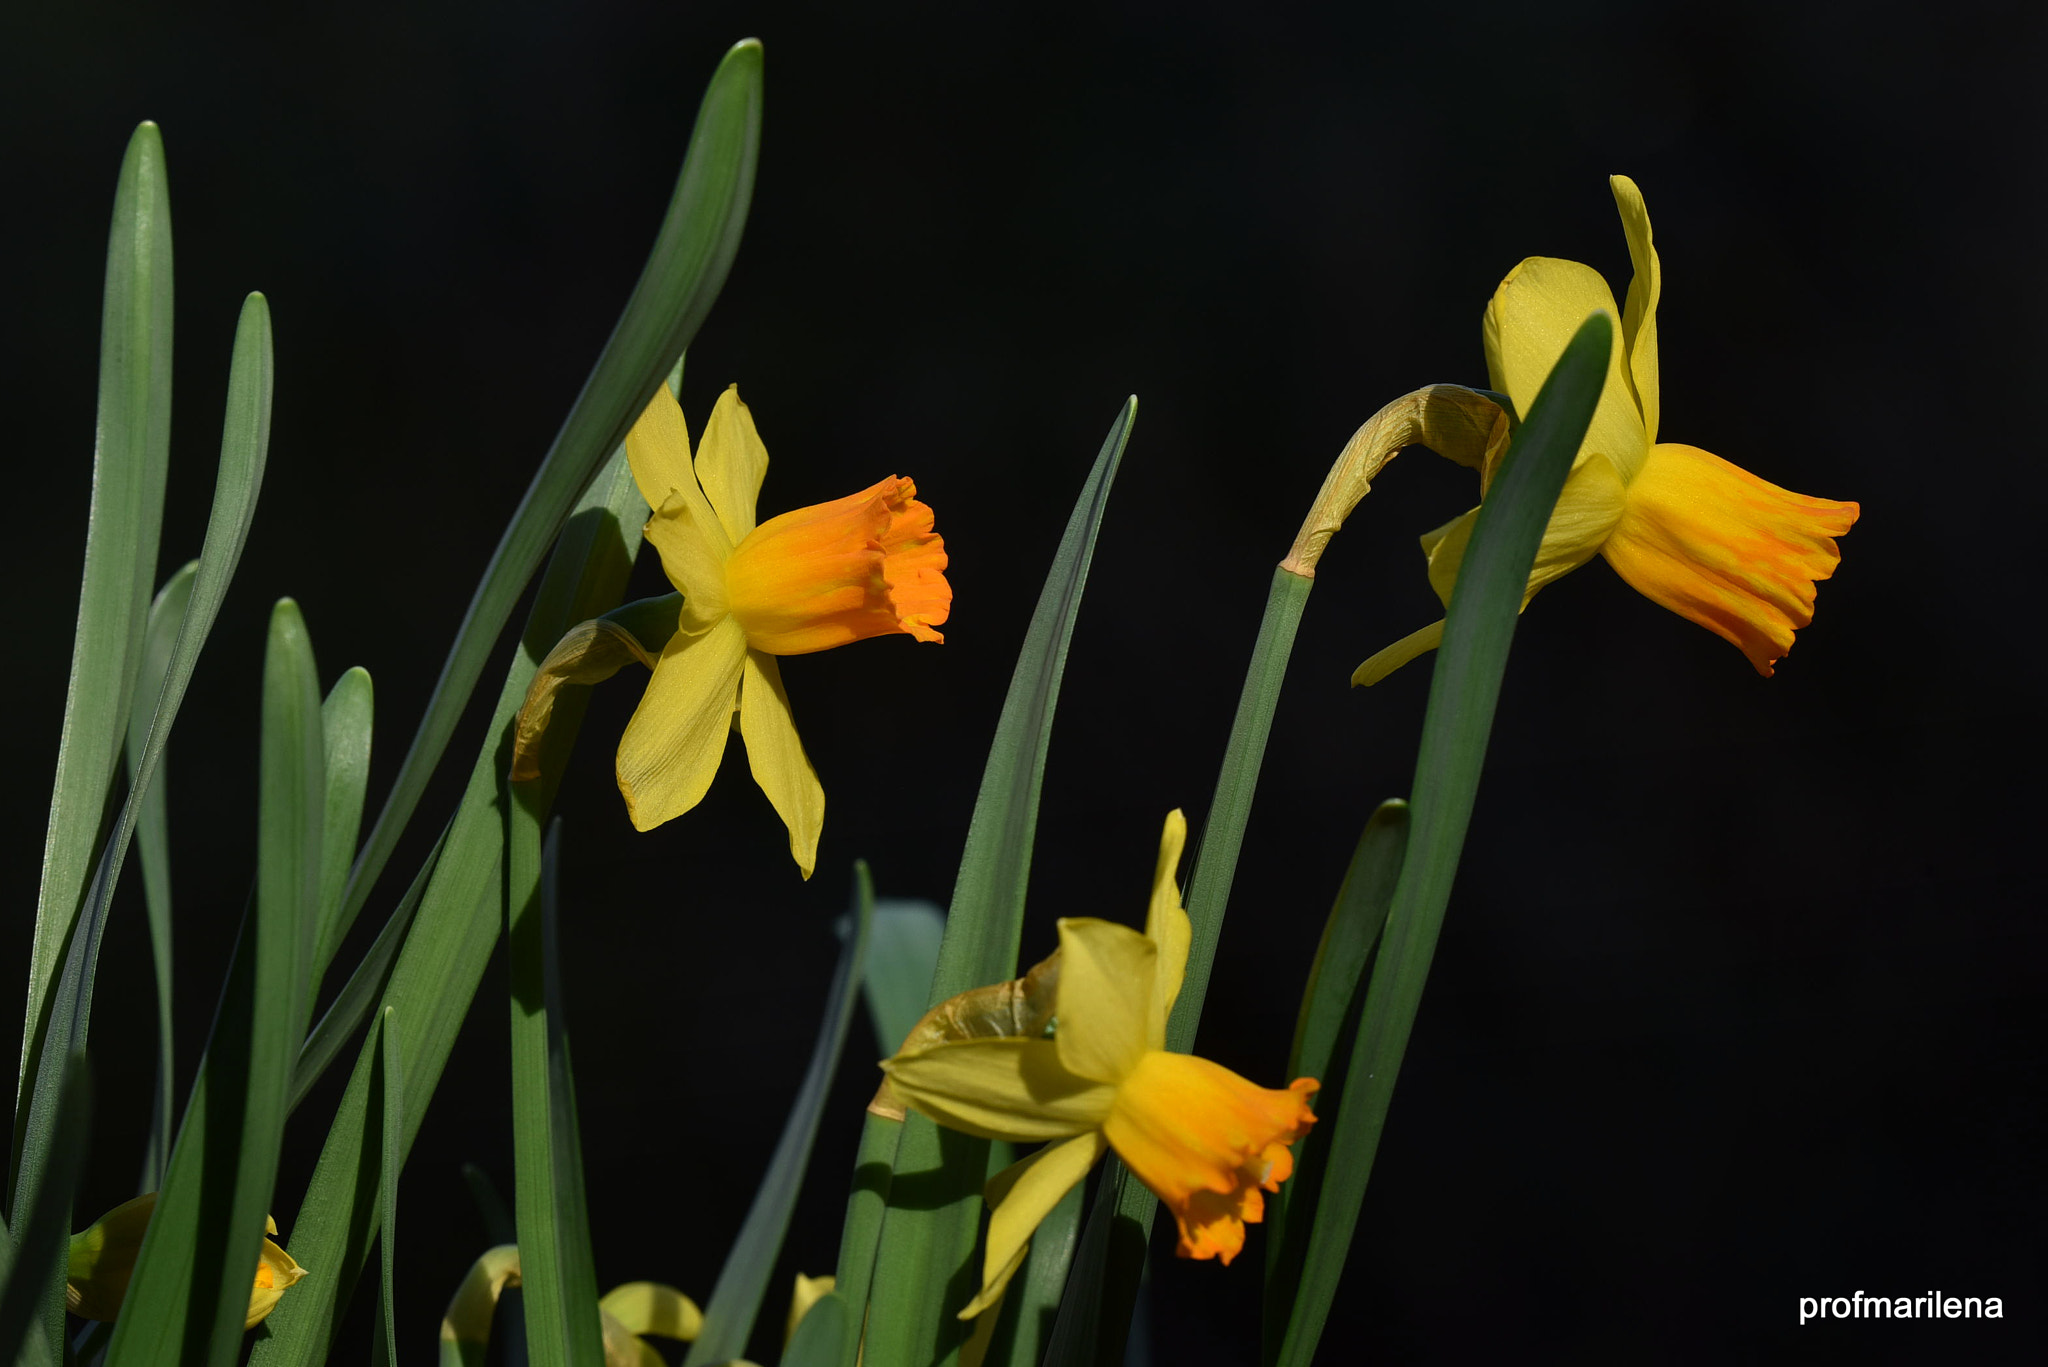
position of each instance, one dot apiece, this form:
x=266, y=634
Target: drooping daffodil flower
x=1686, y=529
x=101, y=1263
x=865, y=565
x=1204, y=1139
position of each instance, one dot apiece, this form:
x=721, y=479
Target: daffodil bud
x=588, y=653
x=102, y=1260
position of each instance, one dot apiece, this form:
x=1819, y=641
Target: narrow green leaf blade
x=190, y=1292
x=693, y=251
x=743, y=1281
x=1329, y=1017
x=459, y=920
x=903, y=953
x=245, y=440
x=345, y=726
x=31, y=1266
x=558, y=1273
x=387, y=1186
x=1478, y=629
x=922, y=1267
x=131, y=456
x=153, y=844
x=817, y=1340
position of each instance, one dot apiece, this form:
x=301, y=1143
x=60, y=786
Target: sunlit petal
x=1639, y=319
x=777, y=757
x=1587, y=510
x=693, y=551
x=1387, y=659
x=1534, y=313
x=1023, y=1194
x=731, y=462
x=658, y=449
x=1008, y=1088
x=671, y=748
x=1167, y=926
x=1107, y=977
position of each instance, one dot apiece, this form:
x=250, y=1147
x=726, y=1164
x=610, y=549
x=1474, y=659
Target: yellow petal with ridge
x=1639, y=319
x=1003, y=1088
x=1167, y=927
x=731, y=462
x=1023, y=1194
x=673, y=744
x=1108, y=974
x=776, y=756
x=1536, y=311
x=658, y=449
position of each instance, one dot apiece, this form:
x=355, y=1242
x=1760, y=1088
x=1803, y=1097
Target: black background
x=1735, y=1000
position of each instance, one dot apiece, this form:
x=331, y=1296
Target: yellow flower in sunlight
x=1684, y=528
x=865, y=565
x=1204, y=1139
x=102, y=1260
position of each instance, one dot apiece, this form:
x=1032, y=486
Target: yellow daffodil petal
x=1005, y=1088
x=1023, y=1194
x=1587, y=510
x=658, y=449
x=731, y=462
x=1386, y=660
x=1533, y=314
x=470, y=1309
x=653, y=1308
x=807, y=1292
x=1108, y=974
x=624, y=1349
x=694, y=551
x=1639, y=319
x=1722, y=548
x=276, y=1273
x=776, y=756
x=1167, y=927
x=672, y=747
x=865, y=565
x=1207, y=1141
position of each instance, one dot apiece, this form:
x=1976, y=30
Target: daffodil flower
x=1204, y=1139
x=865, y=565
x=1684, y=528
x=102, y=1262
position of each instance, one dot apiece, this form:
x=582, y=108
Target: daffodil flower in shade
x=1207, y=1141
x=101, y=1263
x=1707, y=539
x=865, y=565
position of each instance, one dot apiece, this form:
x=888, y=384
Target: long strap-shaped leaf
x=921, y=1271
x=743, y=1281
x=459, y=920
x=1478, y=629
x=30, y=1271
x=245, y=439
x=699, y=237
x=558, y=1273
x=153, y=845
x=131, y=454
x=190, y=1293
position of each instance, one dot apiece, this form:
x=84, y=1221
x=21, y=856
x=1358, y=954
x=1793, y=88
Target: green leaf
x=817, y=1340
x=1111, y=1286
x=131, y=455
x=190, y=1293
x=903, y=952
x=694, y=249
x=1478, y=630
x=393, y=1102
x=365, y=987
x=153, y=844
x=1032, y=1302
x=31, y=1266
x=743, y=1281
x=923, y=1271
x=1329, y=1016
x=245, y=439
x=558, y=1271
x=459, y=920
x=345, y=725
x=861, y=1236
